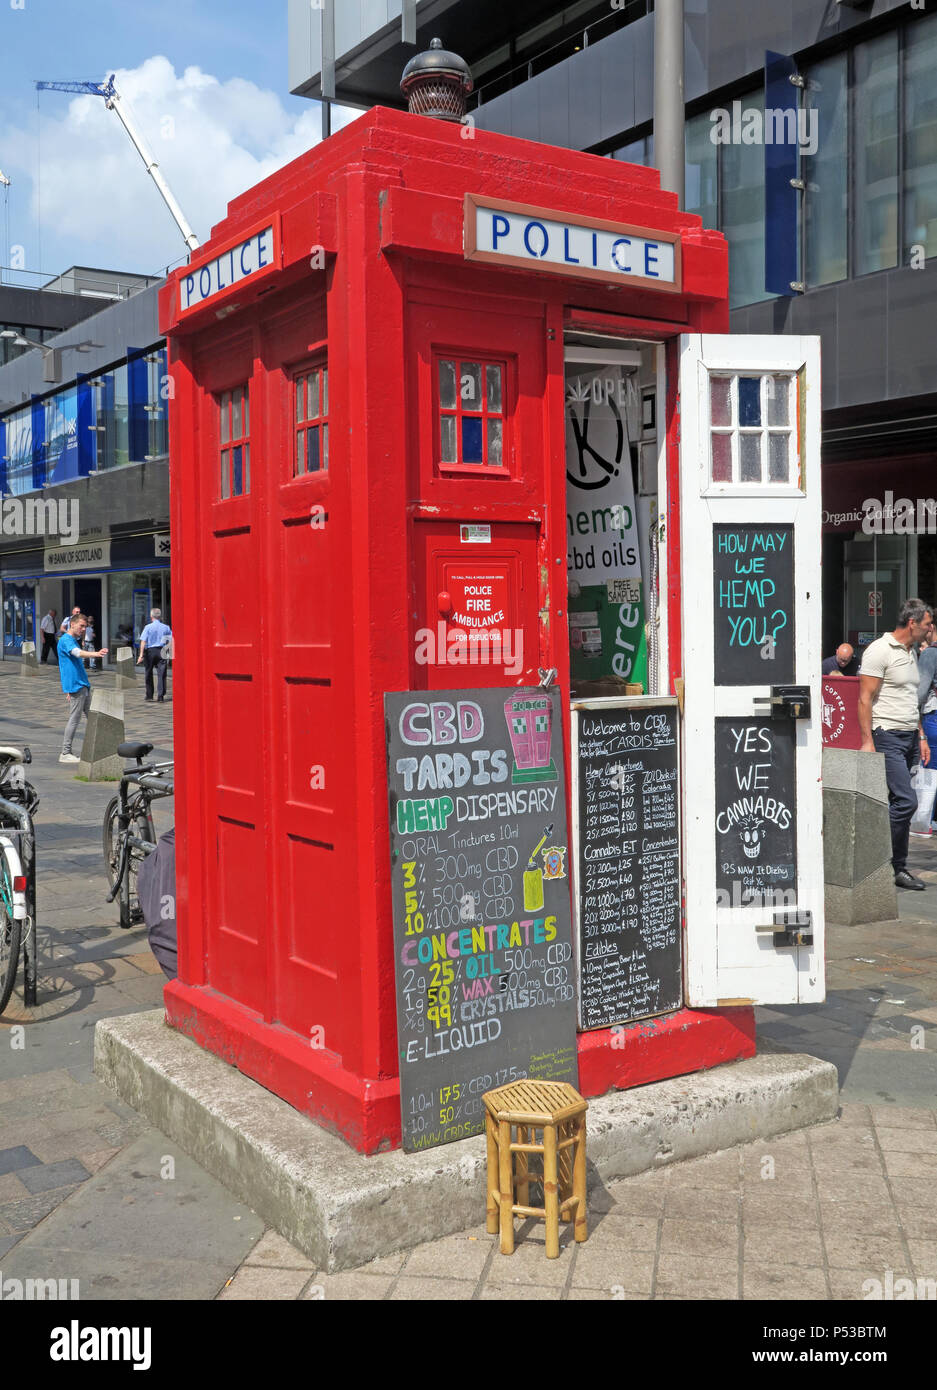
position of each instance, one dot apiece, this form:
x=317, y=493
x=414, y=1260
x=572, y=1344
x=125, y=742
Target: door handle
x=444, y=601
x=786, y=702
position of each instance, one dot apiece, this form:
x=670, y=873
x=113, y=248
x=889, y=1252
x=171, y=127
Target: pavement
x=89, y=1191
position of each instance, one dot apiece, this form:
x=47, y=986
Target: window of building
x=111, y=427
x=311, y=393
x=471, y=412
x=19, y=451
x=702, y=170
x=751, y=419
x=234, y=408
x=157, y=375
x=920, y=136
x=875, y=126
x=743, y=213
x=61, y=436
x=825, y=172
x=638, y=151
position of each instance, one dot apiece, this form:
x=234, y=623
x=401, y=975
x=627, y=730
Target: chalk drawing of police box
x=529, y=719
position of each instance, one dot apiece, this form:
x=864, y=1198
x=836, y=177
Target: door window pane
x=470, y=385
x=471, y=439
x=722, y=458
x=749, y=400
x=778, y=458
x=447, y=384
x=448, y=452
x=750, y=458
x=920, y=136
x=826, y=174
x=876, y=153
x=720, y=400
x=778, y=395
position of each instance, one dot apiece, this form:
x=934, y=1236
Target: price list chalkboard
x=627, y=857
x=481, y=903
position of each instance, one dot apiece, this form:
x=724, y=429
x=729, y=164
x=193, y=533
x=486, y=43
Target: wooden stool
x=559, y=1111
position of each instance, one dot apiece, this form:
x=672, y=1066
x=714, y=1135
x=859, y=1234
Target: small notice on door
x=475, y=535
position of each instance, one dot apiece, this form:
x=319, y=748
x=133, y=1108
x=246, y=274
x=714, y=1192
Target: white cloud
x=211, y=139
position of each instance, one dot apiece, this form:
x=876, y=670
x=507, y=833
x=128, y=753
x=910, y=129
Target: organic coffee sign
x=753, y=603
x=756, y=811
x=480, y=884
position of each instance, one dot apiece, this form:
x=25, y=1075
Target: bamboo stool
x=559, y=1111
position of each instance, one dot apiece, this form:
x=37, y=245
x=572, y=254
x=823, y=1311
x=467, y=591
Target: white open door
x=750, y=505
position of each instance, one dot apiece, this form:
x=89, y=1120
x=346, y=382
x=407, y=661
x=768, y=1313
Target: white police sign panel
x=514, y=234
x=249, y=258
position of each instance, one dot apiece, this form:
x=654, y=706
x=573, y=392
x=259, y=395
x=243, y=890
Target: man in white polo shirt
x=890, y=723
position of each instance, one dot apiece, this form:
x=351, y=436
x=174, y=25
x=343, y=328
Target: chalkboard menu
x=753, y=604
x=627, y=856
x=756, y=812
x=480, y=883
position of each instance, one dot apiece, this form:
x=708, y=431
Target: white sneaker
x=68, y=758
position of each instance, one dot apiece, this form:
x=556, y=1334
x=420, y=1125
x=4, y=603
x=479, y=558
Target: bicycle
x=18, y=801
x=128, y=831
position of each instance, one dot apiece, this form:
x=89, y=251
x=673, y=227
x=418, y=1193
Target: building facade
x=84, y=512
x=849, y=254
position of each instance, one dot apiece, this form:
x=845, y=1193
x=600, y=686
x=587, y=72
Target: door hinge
x=796, y=928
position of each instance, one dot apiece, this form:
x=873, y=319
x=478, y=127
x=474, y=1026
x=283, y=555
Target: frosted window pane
x=750, y=458
x=300, y=458
x=778, y=458
x=720, y=400
x=447, y=439
x=470, y=385
x=494, y=443
x=778, y=390
x=313, y=399
x=493, y=375
x=722, y=458
x=447, y=385
x=300, y=407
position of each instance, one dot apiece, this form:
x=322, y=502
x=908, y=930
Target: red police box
x=329, y=503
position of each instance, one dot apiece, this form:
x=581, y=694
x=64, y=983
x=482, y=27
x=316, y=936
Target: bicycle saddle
x=134, y=750
x=9, y=754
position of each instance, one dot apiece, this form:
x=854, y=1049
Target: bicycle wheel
x=111, y=841
x=10, y=929
x=127, y=898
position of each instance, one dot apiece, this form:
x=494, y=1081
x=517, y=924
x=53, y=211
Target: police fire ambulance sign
x=515, y=234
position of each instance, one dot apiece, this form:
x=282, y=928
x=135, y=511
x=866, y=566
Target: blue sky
x=207, y=82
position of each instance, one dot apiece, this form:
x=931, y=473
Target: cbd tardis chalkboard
x=753, y=604
x=627, y=859
x=480, y=884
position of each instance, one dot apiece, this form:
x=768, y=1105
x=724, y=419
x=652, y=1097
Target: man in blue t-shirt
x=153, y=639
x=75, y=681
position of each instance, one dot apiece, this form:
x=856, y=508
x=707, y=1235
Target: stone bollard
x=103, y=736
x=125, y=673
x=859, y=879
x=29, y=666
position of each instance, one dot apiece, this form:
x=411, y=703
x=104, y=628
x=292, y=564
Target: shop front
x=516, y=727
x=115, y=580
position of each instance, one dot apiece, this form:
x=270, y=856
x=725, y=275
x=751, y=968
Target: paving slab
x=130, y=1232
x=340, y=1208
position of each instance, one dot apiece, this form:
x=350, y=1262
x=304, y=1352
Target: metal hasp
x=796, y=928
x=790, y=702
x=437, y=83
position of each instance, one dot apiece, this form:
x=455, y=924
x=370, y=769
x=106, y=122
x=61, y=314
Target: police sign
x=249, y=258
x=514, y=234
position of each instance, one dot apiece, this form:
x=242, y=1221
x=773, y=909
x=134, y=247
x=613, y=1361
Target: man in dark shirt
x=844, y=663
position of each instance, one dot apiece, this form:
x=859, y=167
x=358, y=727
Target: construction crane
x=112, y=100
x=3, y=179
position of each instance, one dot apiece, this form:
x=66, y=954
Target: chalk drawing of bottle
x=533, y=877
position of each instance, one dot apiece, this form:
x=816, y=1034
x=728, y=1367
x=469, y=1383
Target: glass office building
x=84, y=476
x=859, y=256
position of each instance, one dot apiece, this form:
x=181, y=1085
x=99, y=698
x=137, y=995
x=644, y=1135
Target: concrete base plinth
x=29, y=666
x=125, y=670
x=343, y=1209
x=103, y=736
x=858, y=876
